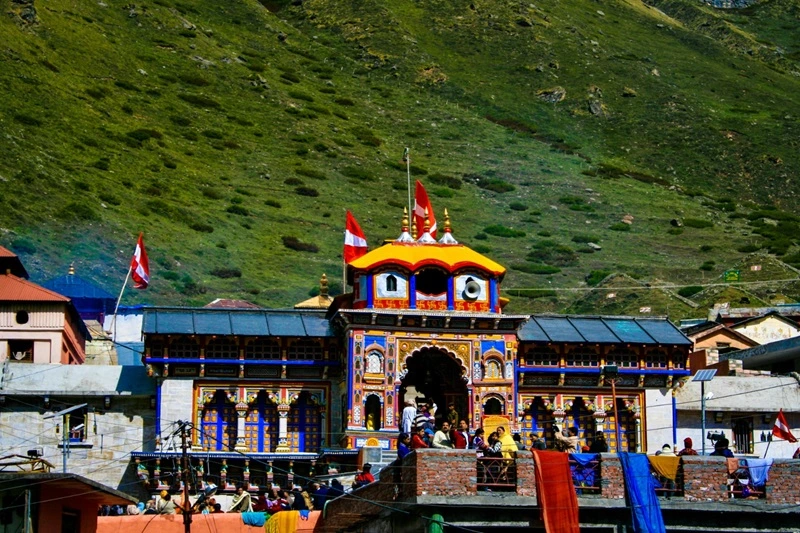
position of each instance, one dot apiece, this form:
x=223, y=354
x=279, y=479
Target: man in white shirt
x=409, y=414
x=442, y=437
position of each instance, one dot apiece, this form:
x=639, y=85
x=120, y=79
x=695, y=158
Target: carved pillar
x=283, y=428
x=241, y=414
x=270, y=474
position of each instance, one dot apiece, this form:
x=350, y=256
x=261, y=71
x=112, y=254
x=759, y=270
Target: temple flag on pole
x=421, y=203
x=781, y=428
x=140, y=266
x=355, y=244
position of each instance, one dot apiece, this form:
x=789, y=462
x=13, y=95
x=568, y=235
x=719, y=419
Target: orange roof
x=5, y=252
x=14, y=289
x=414, y=256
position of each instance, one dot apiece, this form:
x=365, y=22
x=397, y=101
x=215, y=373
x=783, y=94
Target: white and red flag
x=421, y=203
x=140, y=266
x=355, y=244
x=781, y=428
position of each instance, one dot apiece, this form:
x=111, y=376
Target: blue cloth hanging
x=583, y=471
x=759, y=470
x=640, y=486
x=254, y=519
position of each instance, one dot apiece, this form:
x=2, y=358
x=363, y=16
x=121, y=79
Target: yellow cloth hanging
x=665, y=465
x=282, y=522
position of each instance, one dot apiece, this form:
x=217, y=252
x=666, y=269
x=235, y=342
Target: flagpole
x=408, y=174
x=344, y=276
x=767, y=450
x=116, y=308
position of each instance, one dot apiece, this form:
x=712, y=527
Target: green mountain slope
x=236, y=134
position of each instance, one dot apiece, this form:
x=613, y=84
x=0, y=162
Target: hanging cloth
x=759, y=470
x=555, y=492
x=665, y=465
x=585, y=468
x=640, y=486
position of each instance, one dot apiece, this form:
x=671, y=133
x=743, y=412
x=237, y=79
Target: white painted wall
x=658, y=407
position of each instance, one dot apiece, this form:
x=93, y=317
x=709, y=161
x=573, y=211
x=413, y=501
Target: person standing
x=418, y=440
x=242, y=502
x=403, y=445
x=507, y=445
x=452, y=415
x=408, y=416
x=599, y=444
x=568, y=440
x=537, y=443
x=460, y=436
x=165, y=505
x=687, y=448
x=442, y=437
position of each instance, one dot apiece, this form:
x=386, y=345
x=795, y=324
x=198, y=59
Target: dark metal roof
x=210, y=321
x=73, y=286
x=629, y=330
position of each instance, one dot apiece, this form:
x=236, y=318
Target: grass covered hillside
x=570, y=141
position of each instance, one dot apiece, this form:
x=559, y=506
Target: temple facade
x=271, y=393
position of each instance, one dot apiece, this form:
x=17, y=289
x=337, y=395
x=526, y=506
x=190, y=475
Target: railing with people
x=497, y=474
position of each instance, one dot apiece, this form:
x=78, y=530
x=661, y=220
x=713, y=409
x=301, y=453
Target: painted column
x=241, y=415
x=283, y=428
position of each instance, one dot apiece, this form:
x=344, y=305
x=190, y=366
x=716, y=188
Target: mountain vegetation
x=582, y=144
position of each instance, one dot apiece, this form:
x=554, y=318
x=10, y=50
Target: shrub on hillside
x=23, y=245
x=443, y=179
x=688, y=292
x=496, y=185
x=538, y=269
x=211, y=193
x=27, y=120
x=293, y=181
x=76, y=211
x=357, y=173
x=551, y=252
x=708, y=266
x=194, y=79
x=293, y=243
x=366, y=136
x=748, y=248
x=290, y=77
x=226, y=272
x=238, y=210
x=442, y=192
x=300, y=95
x=311, y=173
x=109, y=198
x=518, y=206
x=199, y=100
x=307, y=191
x=345, y=101
x=596, y=276
x=128, y=86
x=621, y=226
x=202, y=227
x=180, y=121
x=273, y=203
x=583, y=238
x=498, y=230
x=697, y=223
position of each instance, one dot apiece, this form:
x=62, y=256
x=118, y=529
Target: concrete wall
x=768, y=329
x=176, y=404
x=658, y=416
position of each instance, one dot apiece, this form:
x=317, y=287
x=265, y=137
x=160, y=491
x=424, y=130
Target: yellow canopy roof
x=413, y=256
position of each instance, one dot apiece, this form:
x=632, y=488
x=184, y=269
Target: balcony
x=453, y=483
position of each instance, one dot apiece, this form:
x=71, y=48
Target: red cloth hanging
x=555, y=492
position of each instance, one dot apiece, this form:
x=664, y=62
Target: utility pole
x=187, y=508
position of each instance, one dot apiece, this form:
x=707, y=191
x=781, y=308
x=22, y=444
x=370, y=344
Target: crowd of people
x=308, y=498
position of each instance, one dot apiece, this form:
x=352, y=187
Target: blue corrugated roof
x=575, y=329
x=208, y=321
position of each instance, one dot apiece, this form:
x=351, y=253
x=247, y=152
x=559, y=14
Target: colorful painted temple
x=300, y=389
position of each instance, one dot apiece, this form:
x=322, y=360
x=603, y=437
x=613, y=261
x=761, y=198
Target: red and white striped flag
x=140, y=266
x=355, y=244
x=421, y=202
x=781, y=428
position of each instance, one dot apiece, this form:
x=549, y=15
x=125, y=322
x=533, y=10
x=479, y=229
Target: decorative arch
x=459, y=352
x=374, y=360
x=373, y=411
x=493, y=404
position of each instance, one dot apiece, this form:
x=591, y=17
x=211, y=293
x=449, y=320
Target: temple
x=273, y=393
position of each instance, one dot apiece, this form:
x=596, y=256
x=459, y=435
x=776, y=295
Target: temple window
x=184, y=348
x=492, y=406
x=222, y=348
x=305, y=350
x=263, y=349
x=373, y=413
x=493, y=369
x=541, y=356
x=374, y=363
x=656, y=359
x=391, y=283
x=218, y=426
x=583, y=357
x=432, y=281
x=157, y=349
x=623, y=358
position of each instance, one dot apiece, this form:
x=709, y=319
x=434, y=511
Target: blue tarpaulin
x=583, y=471
x=640, y=487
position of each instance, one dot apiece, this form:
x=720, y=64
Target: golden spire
x=404, y=222
x=427, y=227
x=446, y=221
x=414, y=229
x=323, y=286
x=71, y=269
x=447, y=238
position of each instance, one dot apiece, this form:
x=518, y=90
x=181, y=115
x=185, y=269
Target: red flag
x=421, y=203
x=781, y=428
x=355, y=244
x=140, y=266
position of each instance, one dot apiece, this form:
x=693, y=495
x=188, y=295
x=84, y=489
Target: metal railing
x=497, y=474
x=585, y=476
x=740, y=485
x=667, y=487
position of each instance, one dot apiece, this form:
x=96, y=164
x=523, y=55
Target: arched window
x=391, y=283
x=222, y=348
x=373, y=419
x=263, y=348
x=374, y=362
x=306, y=350
x=493, y=369
x=492, y=406
x=184, y=348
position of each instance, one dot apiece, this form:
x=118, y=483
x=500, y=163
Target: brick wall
x=705, y=478
x=783, y=486
x=444, y=472
x=612, y=483
x=526, y=475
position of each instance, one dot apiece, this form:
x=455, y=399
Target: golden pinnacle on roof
x=446, y=221
x=447, y=238
x=404, y=222
x=414, y=230
x=71, y=271
x=427, y=227
x=323, y=286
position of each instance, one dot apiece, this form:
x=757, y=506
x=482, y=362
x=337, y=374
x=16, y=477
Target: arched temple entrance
x=437, y=375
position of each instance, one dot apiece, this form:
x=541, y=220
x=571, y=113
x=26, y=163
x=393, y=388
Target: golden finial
x=446, y=221
x=427, y=227
x=414, y=229
x=404, y=222
x=323, y=286
x=71, y=269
